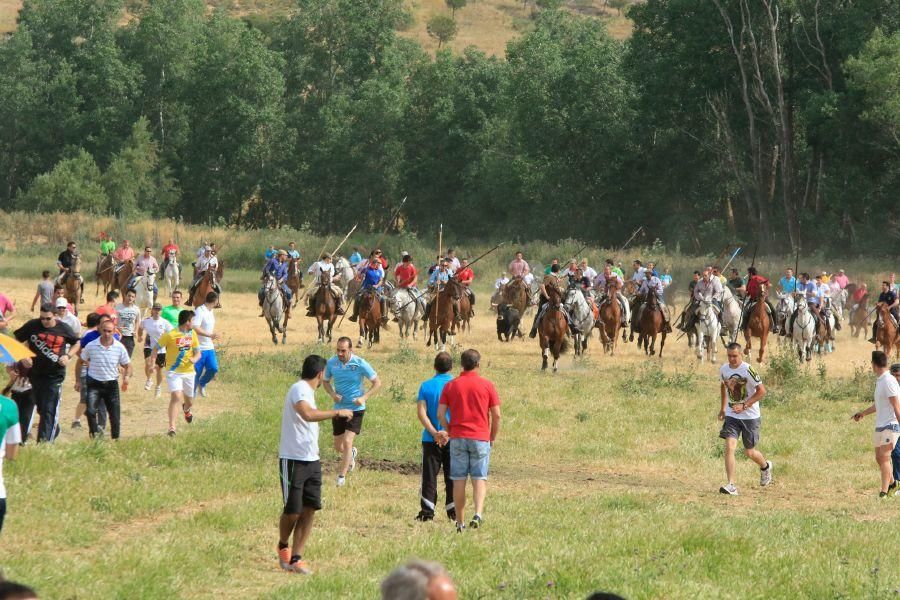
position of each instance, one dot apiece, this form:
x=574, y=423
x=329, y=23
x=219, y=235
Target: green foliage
x=73, y=184
x=876, y=74
x=132, y=180
x=453, y=5
x=442, y=28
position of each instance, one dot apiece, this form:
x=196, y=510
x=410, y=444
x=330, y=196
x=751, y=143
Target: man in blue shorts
x=344, y=376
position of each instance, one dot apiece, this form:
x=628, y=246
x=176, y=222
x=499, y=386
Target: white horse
x=838, y=302
x=344, y=274
x=273, y=309
x=172, y=274
x=708, y=331
x=408, y=310
x=143, y=291
x=731, y=314
x=783, y=311
x=825, y=339
x=582, y=317
x=804, y=332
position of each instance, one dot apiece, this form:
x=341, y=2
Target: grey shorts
x=746, y=429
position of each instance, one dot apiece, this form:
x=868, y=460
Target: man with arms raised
x=741, y=390
x=475, y=408
x=300, y=469
x=344, y=376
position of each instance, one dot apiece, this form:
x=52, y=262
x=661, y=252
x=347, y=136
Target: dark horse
x=324, y=307
x=295, y=282
x=758, y=324
x=369, y=317
x=441, y=316
x=204, y=286
x=652, y=324
x=553, y=329
x=610, y=320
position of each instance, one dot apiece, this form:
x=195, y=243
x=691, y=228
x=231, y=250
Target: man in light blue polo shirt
x=344, y=376
x=788, y=282
x=435, y=448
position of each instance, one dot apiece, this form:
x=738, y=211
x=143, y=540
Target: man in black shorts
x=300, y=471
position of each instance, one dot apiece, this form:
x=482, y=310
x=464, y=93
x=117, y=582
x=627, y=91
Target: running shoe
x=765, y=475
x=353, y=453
x=300, y=567
x=284, y=558
x=451, y=514
x=424, y=516
x=892, y=489
x=148, y=384
x=882, y=494
x=171, y=433
x=187, y=414
x=203, y=391
x=76, y=424
x=158, y=391
x=729, y=489
x=476, y=522
x=341, y=481
x=460, y=527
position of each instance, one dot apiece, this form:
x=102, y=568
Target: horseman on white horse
x=317, y=269
x=277, y=268
x=144, y=265
x=205, y=263
x=708, y=289
x=65, y=261
x=608, y=278
x=406, y=275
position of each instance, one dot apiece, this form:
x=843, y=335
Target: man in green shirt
x=549, y=267
x=107, y=245
x=10, y=438
x=171, y=312
x=615, y=269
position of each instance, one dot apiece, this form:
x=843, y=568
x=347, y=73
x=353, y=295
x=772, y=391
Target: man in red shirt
x=754, y=289
x=110, y=307
x=465, y=275
x=406, y=275
x=170, y=248
x=475, y=406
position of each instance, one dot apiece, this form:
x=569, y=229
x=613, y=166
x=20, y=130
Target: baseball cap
x=62, y=303
x=156, y=306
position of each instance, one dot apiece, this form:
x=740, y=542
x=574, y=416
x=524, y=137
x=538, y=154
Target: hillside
x=486, y=24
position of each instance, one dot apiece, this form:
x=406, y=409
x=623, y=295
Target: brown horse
x=464, y=310
x=886, y=337
x=441, y=316
x=652, y=324
x=515, y=293
x=295, y=282
x=123, y=275
x=369, y=318
x=553, y=329
x=859, y=317
x=73, y=286
x=324, y=307
x=758, y=324
x=105, y=273
x=204, y=287
x=610, y=321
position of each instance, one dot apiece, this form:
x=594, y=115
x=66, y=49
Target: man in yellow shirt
x=182, y=351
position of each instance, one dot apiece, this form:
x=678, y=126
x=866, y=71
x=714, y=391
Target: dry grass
x=9, y=10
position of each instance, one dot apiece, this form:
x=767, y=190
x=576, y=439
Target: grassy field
x=605, y=476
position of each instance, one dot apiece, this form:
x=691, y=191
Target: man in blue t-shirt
x=344, y=376
x=435, y=450
x=788, y=282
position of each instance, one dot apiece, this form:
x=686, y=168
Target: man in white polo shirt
x=300, y=469
x=887, y=421
x=152, y=328
x=103, y=358
x=204, y=323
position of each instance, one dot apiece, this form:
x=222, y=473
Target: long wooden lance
x=344, y=240
x=319, y=255
x=628, y=241
x=389, y=223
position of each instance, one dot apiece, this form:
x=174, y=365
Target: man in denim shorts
x=475, y=406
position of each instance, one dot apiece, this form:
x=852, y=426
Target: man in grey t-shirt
x=129, y=317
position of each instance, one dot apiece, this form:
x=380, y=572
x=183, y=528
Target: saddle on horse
x=336, y=293
x=748, y=309
x=382, y=300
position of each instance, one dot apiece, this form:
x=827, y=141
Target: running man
x=171, y=312
x=103, y=358
x=153, y=328
x=204, y=324
x=344, y=376
x=44, y=293
x=741, y=390
x=299, y=466
x=474, y=405
x=10, y=438
x=129, y=318
x=435, y=448
x=886, y=407
x=182, y=352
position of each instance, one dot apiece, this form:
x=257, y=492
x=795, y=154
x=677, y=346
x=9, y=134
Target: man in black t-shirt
x=54, y=344
x=890, y=299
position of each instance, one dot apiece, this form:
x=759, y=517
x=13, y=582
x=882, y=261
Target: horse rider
x=807, y=291
x=438, y=278
x=608, y=278
x=454, y=261
x=65, y=261
x=652, y=285
x=788, y=282
x=617, y=270
x=755, y=281
x=518, y=267
x=465, y=275
x=169, y=252
x=587, y=271
x=501, y=281
x=372, y=279
x=552, y=279
x=292, y=251
x=651, y=266
x=823, y=293
x=323, y=265
x=736, y=283
x=355, y=257
x=277, y=267
x=841, y=279
x=270, y=253
x=637, y=275
x=707, y=289
x=859, y=294
x=205, y=263
x=146, y=263
x=571, y=272
x=107, y=246
x=123, y=255
x=891, y=299
x=406, y=275
x=549, y=268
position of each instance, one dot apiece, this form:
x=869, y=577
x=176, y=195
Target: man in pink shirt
x=518, y=267
x=841, y=279
x=475, y=408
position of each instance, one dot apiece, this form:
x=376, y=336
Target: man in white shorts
x=182, y=353
x=741, y=389
x=887, y=421
x=152, y=328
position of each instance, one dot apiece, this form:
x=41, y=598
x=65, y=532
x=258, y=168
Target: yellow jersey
x=180, y=347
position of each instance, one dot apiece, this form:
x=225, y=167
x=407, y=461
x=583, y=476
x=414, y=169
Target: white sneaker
x=729, y=489
x=148, y=385
x=158, y=391
x=203, y=391
x=341, y=481
x=765, y=475
x=353, y=453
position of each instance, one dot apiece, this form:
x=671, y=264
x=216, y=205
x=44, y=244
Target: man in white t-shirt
x=104, y=358
x=887, y=421
x=152, y=328
x=129, y=317
x=204, y=324
x=300, y=469
x=741, y=389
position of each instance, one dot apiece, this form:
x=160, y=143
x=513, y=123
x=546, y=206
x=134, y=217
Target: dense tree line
x=767, y=121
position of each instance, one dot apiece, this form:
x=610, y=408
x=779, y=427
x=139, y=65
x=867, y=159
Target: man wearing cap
x=64, y=316
x=373, y=279
x=317, y=269
x=278, y=268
